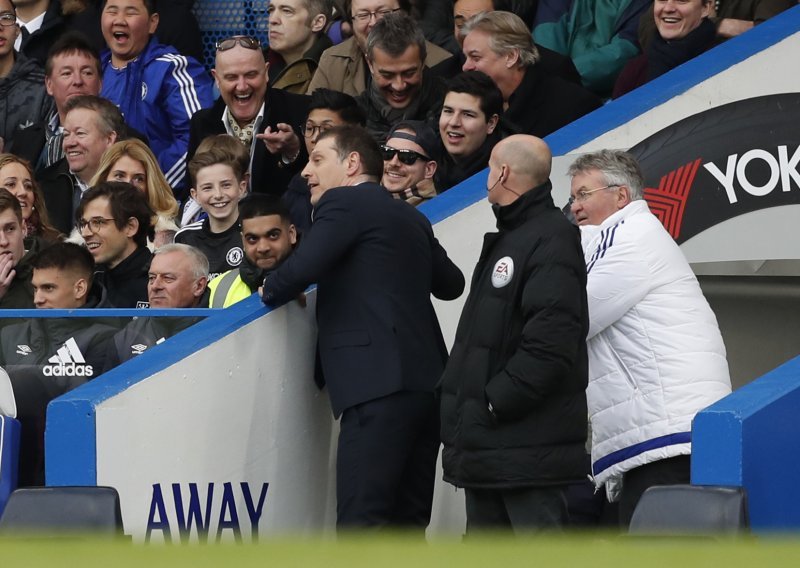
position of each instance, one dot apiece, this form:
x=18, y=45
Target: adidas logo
x=24, y=350
x=138, y=349
x=68, y=362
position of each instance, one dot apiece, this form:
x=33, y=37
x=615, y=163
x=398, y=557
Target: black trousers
x=670, y=471
x=525, y=510
x=386, y=462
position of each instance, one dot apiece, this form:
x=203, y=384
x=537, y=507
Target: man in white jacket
x=656, y=355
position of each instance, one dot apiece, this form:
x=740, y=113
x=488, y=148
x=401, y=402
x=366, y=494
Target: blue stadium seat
x=691, y=510
x=81, y=510
x=9, y=458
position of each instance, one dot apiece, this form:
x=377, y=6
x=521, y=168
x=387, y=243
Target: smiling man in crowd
x=468, y=127
x=268, y=237
x=343, y=67
x=72, y=69
x=265, y=120
x=115, y=220
x=535, y=101
x=177, y=278
x=402, y=88
x=91, y=125
x=409, y=161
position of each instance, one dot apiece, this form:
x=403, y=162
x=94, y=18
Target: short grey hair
x=198, y=260
x=394, y=33
x=618, y=168
x=506, y=32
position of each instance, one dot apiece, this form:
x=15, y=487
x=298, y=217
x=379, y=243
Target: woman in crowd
x=132, y=161
x=684, y=31
x=17, y=177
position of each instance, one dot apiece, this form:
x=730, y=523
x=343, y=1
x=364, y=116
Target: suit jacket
x=267, y=176
x=376, y=262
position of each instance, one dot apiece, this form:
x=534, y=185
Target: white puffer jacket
x=656, y=355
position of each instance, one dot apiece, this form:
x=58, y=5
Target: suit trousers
x=526, y=510
x=386, y=462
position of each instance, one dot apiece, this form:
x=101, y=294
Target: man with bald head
x=513, y=392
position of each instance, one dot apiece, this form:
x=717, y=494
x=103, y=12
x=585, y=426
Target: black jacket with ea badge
x=521, y=346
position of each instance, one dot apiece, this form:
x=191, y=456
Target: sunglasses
x=245, y=41
x=406, y=157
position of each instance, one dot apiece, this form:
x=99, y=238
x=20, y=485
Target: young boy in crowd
x=218, y=183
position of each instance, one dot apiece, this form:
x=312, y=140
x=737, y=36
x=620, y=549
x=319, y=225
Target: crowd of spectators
x=134, y=176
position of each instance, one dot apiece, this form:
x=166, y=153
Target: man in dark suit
x=376, y=262
x=267, y=121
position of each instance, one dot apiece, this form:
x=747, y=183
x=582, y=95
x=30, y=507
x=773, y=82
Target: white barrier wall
x=231, y=441
x=236, y=434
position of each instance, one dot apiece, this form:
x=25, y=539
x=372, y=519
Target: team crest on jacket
x=144, y=90
x=234, y=256
x=503, y=272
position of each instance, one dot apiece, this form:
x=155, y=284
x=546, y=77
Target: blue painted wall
x=751, y=439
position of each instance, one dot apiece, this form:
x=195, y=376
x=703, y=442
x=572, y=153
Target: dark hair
x=70, y=43
x=342, y=104
x=109, y=117
x=262, y=205
x=405, y=6
x=8, y=201
x=150, y=5
x=394, y=34
x=481, y=86
x=215, y=155
x=126, y=201
x=65, y=256
x=349, y=138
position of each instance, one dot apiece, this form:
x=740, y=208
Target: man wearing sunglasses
x=409, y=161
x=655, y=350
x=376, y=263
x=157, y=89
x=265, y=120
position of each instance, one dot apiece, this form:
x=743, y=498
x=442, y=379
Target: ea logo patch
x=144, y=90
x=503, y=272
x=234, y=256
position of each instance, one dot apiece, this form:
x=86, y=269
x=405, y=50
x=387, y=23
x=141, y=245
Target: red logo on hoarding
x=668, y=201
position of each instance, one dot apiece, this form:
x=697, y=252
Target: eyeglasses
x=364, y=17
x=406, y=157
x=246, y=42
x=584, y=194
x=310, y=129
x=8, y=19
x=95, y=223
